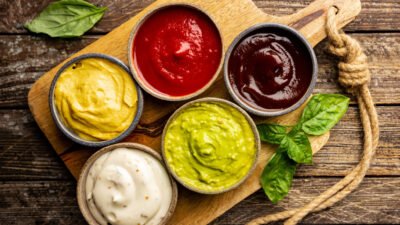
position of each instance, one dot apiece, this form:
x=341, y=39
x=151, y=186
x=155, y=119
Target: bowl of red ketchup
x=270, y=69
x=175, y=52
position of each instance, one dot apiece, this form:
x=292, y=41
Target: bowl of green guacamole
x=210, y=145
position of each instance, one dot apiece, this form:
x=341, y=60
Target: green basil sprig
x=298, y=147
x=277, y=176
x=322, y=112
x=66, y=18
x=271, y=133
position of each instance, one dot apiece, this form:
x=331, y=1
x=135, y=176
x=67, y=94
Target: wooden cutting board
x=232, y=17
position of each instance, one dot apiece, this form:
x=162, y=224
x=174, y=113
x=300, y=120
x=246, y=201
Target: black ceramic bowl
x=259, y=29
x=69, y=132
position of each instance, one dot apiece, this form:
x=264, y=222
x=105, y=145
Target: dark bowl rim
x=148, y=88
x=257, y=143
x=243, y=103
x=66, y=131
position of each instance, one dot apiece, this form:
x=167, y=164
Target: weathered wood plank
x=23, y=59
x=371, y=18
x=42, y=202
x=54, y=202
x=376, y=15
x=19, y=12
x=345, y=148
x=26, y=155
x=374, y=202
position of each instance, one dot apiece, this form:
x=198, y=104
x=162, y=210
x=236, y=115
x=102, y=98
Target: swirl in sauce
x=96, y=98
x=128, y=187
x=270, y=70
x=177, y=50
x=210, y=146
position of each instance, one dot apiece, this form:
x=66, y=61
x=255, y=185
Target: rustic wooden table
x=36, y=187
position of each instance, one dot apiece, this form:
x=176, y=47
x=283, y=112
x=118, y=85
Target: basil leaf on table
x=298, y=147
x=66, y=18
x=277, y=176
x=271, y=133
x=322, y=112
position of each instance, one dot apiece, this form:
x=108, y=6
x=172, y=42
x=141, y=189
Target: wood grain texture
x=371, y=203
x=23, y=203
x=375, y=16
x=26, y=155
x=23, y=59
x=228, y=16
x=35, y=187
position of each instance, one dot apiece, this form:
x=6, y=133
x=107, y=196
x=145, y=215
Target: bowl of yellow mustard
x=210, y=145
x=94, y=100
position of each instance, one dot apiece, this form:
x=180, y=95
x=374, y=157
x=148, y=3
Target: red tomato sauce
x=177, y=50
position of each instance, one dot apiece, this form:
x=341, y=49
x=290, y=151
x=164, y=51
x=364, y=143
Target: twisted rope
x=354, y=75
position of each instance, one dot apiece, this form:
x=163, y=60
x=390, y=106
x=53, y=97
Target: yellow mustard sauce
x=96, y=98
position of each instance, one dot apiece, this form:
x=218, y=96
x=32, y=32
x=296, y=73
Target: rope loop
x=354, y=75
x=353, y=68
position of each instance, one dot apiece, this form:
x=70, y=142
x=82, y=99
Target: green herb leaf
x=277, y=176
x=322, y=113
x=295, y=129
x=298, y=147
x=66, y=18
x=271, y=133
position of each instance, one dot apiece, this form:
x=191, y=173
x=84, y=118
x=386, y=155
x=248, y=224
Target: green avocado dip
x=210, y=146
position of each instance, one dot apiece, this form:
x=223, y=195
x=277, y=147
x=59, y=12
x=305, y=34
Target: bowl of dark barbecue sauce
x=270, y=69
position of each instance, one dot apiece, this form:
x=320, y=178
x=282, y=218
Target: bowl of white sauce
x=126, y=184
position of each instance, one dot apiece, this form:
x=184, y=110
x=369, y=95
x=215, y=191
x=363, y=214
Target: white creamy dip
x=128, y=187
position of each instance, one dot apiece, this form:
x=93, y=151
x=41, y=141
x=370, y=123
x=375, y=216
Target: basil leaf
x=271, y=133
x=322, y=113
x=295, y=129
x=66, y=18
x=298, y=147
x=277, y=176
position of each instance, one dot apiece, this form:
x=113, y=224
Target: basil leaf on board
x=276, y=178
x=322, y=113
x=271, y=133
x=66, y=18
x=298, y=147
